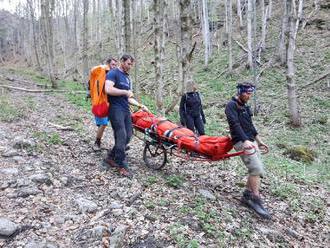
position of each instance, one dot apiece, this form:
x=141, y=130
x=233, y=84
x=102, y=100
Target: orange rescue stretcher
x=162, y=136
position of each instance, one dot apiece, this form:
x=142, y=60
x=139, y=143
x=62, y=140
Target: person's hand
x=129, y=94
x=263, y=147
x=247, y=145
x=144, y=108
x=88, y=95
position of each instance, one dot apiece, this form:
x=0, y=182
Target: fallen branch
x=61, y=127
x=41, y=91
x=316, y=80
x=241, y=46
x=11, y=79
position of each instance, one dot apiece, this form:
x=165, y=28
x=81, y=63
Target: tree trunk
x=186, y=42
x=127, y=25
x=159, y=50
x=85, y=40
x=290, y=75
x=46, y=9
x=35, y=46
x=229, y=25
x=249, y=33
x=75, y=48
x=239, y=14
x=206, y=33
x=284, y=29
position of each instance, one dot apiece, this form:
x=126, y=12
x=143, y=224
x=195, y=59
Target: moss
x=301, y=153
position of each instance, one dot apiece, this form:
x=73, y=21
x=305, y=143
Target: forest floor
x=52, y=188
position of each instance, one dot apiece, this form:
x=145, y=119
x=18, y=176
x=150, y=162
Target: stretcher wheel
x=154, y=156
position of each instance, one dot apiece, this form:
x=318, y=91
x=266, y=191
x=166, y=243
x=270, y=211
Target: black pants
x=195, y=123
x=121, y=123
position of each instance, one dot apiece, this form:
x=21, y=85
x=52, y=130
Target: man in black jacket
x=245, y=137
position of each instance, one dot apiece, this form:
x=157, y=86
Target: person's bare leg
x=253, y=184
x=100, y=132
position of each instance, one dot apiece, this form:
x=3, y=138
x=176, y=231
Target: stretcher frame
x=157, y=148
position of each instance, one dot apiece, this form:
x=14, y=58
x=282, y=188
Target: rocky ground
x=53, y=193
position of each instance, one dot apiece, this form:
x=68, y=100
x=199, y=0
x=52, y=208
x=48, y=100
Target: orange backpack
x=100, y=105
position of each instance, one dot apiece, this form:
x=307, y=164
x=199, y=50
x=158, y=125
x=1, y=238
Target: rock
x=207, y=194
x=25, y=192
x=98, y=231
x=117, y=237
x=4, y=185
x=9, y=171
x=85, y=205
x=115, y=205
x=22, y=143
x=65, y=181
x=41, y=178
x=59, y=220
x=292, y=233
x=10, y=153
x=117, y=212
x=40, y=244
x=7, y=227
x=272, y=235
x=23, y=182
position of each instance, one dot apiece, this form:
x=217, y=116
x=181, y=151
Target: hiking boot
x=255, y=204
x=96, y=147
x=108, y=163
x=125, y=172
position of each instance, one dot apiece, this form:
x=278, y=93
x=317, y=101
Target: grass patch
x=175, y=181
x=9, y=111
x=285, y=190
x=48, y=138
x=179, y=233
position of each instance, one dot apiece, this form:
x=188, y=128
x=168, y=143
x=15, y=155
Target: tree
x=229, y=30
x=250, y=38
x=34, y=33
x=187, y=48
x=159, y=8
x=206, y=33
x=284, y=28
x=47, y=8
x=85, y=39
x=239, y=14
x=293, y=20
x=127, y=25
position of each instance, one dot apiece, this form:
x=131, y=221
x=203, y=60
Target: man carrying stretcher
x=245, y=137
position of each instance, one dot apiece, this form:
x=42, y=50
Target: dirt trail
x=53, y=190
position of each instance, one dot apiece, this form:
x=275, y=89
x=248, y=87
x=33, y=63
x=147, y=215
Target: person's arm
x=134, y=102
x=202, y=112
x=88, y=90
x=233, y=121
x=111, y=90
x=182, y=111
x=262, y=146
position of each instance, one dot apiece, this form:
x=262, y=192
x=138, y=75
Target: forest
x=53, y=192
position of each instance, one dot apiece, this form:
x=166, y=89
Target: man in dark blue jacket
x=245, y=137
x=118, y=87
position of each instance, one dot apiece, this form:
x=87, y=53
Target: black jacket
x=191, y=104
x=240, y=121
